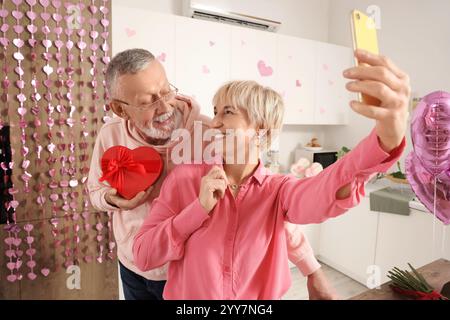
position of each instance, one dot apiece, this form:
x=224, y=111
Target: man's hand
x=181, y=102
x=113, y=199
x=212, y=187
x=319, y=288
x=381, y=79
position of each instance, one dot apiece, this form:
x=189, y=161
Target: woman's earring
x=258, y=140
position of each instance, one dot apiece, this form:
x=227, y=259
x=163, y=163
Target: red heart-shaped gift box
x=131, y=171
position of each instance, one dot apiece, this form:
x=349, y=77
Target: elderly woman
x=148, y=111
x=221, y=227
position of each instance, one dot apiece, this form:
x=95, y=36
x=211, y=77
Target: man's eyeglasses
x=164, y=99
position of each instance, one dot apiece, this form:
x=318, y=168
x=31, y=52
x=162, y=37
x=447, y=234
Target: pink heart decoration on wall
x=162, y=57
x=264, y=70
x=130, y=32
x=205, y=69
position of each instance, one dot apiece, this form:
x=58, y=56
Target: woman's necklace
x=235, y=186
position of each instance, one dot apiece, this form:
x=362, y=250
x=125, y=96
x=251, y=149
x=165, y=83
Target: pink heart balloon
x=428, y=165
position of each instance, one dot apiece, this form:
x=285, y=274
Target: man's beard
x=164, y=131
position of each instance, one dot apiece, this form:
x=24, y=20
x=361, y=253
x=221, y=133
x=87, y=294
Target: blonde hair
x=264, y=105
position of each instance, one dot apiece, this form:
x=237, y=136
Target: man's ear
x=118, y=110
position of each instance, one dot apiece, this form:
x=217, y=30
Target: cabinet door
x=332, y=98
x=254, y=56
x=148, y=30
x=296, y=78
x=408, y=239
x=202, y=59
x=347, y=243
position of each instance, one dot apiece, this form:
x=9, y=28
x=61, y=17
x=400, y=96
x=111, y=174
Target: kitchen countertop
x=436, y=273
x=383, y=183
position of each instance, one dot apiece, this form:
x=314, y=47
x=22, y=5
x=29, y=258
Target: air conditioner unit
x=227, y=11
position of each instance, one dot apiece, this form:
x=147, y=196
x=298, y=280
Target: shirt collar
x=260, y=173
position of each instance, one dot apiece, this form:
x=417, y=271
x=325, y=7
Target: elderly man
x=149, y=109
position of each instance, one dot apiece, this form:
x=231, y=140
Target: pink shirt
x=238, y=250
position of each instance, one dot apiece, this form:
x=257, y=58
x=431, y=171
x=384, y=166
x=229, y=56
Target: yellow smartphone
x=364, y=34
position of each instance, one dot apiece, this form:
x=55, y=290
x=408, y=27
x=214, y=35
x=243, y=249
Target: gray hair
x=126, y=62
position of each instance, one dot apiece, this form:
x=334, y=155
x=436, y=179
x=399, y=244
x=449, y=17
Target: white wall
x=163, y=6
x=415, y=34
x=300, y=18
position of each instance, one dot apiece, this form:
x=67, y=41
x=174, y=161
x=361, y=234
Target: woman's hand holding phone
x=383, y=80
x=383, y=89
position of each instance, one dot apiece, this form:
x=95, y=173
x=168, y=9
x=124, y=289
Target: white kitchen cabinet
x=361, y=238
x=297, y=78
x=148, y=30
x=347, y=243
x=203, y=57
x=331, y=97
x=408, y=239
x=254, y=56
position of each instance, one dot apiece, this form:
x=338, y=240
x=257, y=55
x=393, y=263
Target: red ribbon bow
x=115, y=168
